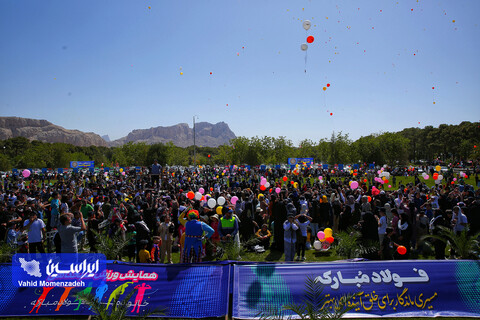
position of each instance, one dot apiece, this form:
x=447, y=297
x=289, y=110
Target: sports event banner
x=387, y=288
x=185, y=291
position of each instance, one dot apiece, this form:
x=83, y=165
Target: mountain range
x=207, y=134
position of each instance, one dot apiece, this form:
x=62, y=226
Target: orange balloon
x=369, y=198
x=401, y=250
x=324, y=88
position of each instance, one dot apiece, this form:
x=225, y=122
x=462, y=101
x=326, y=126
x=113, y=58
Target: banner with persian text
x=185, y=291
x=386, y=288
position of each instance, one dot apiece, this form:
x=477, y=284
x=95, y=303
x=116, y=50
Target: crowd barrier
x=385, y=289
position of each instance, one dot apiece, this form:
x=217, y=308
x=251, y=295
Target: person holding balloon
x=404, y=235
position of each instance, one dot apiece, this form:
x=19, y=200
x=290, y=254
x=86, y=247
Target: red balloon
x=330, y=240
x=209, y=156
x=211, y=189
x=328, y=85
x=401, y=250
x=262, y=187
x=433, y=88
x=369, y=198
x=190, y=195
x=310, y=39
x=285, y=178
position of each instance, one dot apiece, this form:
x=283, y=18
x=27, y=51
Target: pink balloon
x=321, y=235
x=26, y=173
x=234, y=200
x=263, y=181
x=389, y=185
x=123, y=173
x=454, y=179
x=320, y=178
x=201, y=190
x=277, y=190
x=354, y=185
x=426, y=177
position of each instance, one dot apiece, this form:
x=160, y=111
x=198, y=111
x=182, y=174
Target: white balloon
x=424, y=174
x=307, y=24
x=221, y=201
x=211, y=203
x=198, y=195
x=304, y=47
x=267, y=185
x=317, y=245
x=440, y=177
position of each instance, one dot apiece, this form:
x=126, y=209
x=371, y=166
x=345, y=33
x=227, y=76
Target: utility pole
x=194, y=144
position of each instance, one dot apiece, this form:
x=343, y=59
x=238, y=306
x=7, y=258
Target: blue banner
x=82, y=164
x=340, y=167
x=295, y=161
x=186, y=291
x=386, y=288
x=325, y=167
x=356, y=166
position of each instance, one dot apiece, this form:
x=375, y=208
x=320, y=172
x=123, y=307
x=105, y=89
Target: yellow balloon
x=295, y=185
x=350, y=182
x=121, y=170
x=181, y=73
x=260, y=195
x=328, y=232
x=438, y=168
x=219, y=210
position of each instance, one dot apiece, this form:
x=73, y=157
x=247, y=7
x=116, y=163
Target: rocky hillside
x=42, y=130
x=207, y=135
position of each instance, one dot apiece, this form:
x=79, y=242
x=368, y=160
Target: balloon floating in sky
x=453, y=21
x=304, y=47
x=331, y=113
x=433, y=88
x=324, y=88
x=328, y=85
x=181, y=73
x=307, y=24
x=310, y=39
x=149, y=8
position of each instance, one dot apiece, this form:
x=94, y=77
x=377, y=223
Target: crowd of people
x=154, y=212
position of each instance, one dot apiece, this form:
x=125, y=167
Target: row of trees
x=447, y=142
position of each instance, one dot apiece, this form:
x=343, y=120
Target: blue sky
x=114, y=66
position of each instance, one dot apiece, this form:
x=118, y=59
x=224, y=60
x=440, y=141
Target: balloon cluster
x=325, y=239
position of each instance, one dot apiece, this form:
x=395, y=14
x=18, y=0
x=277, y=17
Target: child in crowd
x=264, y=236
x=155, y=252
x=144, y=255
x=303, y=221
